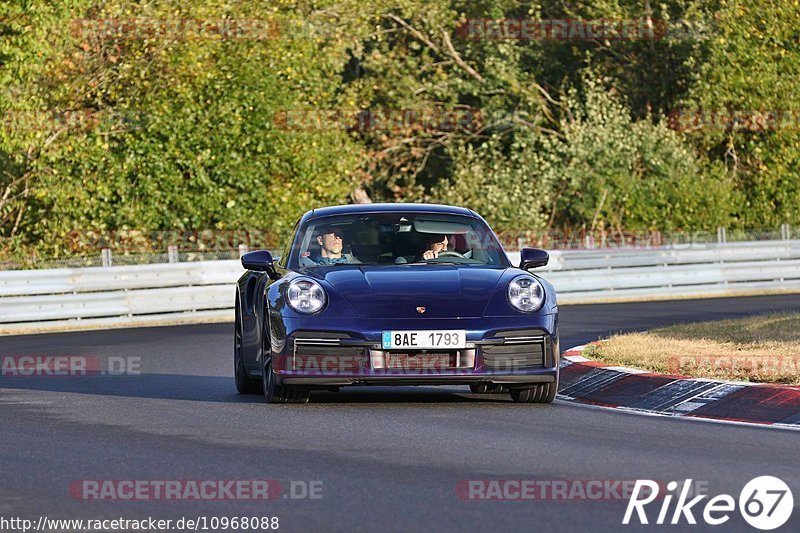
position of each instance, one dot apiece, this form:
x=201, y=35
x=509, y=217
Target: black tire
x=479, y=388
x=523, y=395
x=244, y=383
x=544, y=393
x=487, y=388
x=274, y=393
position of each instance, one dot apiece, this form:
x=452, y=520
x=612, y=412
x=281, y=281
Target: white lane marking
x=630, y=411
x=684, y=408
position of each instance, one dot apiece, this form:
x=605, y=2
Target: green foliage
x=501, y=181
x=617, y=172
x=181, y=130
x=751, y=68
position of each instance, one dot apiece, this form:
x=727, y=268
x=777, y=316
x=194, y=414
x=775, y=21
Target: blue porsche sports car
x=395, y=294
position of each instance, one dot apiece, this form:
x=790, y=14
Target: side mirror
x=259, y=261
x=532, y=258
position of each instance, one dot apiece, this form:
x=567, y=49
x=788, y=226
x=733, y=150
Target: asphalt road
x=386, y=459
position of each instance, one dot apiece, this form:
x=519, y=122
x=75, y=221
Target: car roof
x=388, y=208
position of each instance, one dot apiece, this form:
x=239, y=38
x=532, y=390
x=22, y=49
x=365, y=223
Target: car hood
x=445, y=291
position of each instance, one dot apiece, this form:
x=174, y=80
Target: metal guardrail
x=681, y=271
x=96, y=296
x=199, y=291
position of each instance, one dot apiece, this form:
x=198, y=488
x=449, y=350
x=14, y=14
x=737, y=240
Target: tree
x=742, y=107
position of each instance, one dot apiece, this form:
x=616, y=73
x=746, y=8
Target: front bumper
x=511, y=354
x=335, y=381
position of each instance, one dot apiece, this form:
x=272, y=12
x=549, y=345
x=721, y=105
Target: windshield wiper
x=431, y=262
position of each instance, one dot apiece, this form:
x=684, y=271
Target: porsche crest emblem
x=421, y=310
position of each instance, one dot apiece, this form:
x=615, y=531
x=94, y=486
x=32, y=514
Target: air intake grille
x=322, y=351
x=328, y=351
x=517, y=356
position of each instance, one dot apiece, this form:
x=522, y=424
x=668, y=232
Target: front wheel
x=275, y=393
x=244, y=383
x=544, y=393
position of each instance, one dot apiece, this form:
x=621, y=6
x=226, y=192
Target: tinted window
x=396, y=238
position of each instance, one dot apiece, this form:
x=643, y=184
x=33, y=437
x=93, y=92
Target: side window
x=286, y=251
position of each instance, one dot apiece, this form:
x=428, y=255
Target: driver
x=435, y=245
x=331, y=242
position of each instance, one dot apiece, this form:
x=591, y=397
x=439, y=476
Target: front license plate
x=424, y=340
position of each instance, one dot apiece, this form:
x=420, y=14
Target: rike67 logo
x=765, y=503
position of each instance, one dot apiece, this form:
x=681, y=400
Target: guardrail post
x=172, y=253
x=722, y=235
x=242, y=250
x=656, y=239
x=785, y=233
x=105, y=255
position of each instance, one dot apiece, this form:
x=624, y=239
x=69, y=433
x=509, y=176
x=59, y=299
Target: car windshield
x=397, y=239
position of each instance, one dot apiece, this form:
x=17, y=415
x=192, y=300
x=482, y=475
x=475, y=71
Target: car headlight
x=306, y=296
x=525, y=294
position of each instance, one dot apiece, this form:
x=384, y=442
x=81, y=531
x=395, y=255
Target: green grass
x=762, y=348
